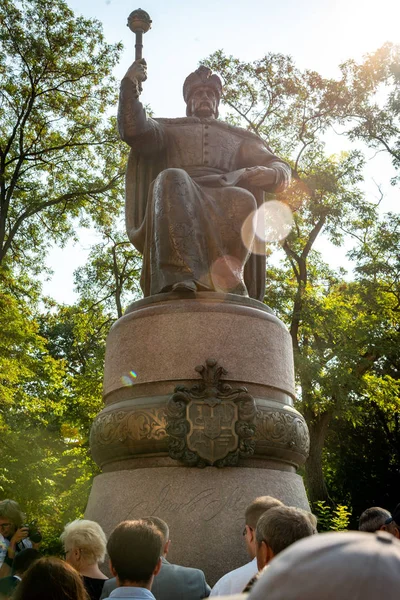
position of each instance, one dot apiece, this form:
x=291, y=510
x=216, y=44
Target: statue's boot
x=188, y=287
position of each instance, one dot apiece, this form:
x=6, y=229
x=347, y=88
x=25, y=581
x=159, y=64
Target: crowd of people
x=289, y=560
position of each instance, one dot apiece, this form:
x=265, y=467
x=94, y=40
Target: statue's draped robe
x=184, y=207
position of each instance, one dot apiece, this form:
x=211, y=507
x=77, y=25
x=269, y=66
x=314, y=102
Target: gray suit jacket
x=172, y=583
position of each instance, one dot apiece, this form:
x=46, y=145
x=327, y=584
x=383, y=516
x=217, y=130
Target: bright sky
x=319, y=34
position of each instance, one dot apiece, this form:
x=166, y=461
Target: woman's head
x=50, y=578
x=84, y=543
x=11, y=517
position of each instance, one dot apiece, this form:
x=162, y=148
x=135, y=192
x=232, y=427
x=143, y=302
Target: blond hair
x=88, y=536
x=258, y=508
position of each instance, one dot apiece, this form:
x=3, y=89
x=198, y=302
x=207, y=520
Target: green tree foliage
x=370, y=101
x=338, y=337
x=51, y=389
x=60, y=159
x=27, y=371
x=111, y=275
x=34, y=467
x=61, y=166
x=362, y=454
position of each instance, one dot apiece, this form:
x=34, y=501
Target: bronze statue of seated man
x=191, y=184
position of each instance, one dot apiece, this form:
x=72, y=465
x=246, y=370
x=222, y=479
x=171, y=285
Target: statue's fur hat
x=201, y=77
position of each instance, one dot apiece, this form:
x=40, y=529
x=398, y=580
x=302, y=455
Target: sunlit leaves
x=344, y=333
x=60, y=159
x=371, y=108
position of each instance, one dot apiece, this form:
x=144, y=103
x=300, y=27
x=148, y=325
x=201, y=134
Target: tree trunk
x=314, y=477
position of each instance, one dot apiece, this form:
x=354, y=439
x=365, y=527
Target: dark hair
x=281, y=526
x=24, y=559
x=161, y=526
x=50, y=578
x=134, y=548
x=373, y=518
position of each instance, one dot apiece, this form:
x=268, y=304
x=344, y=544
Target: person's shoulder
x=8, y=583
x=224, y=585
x=188, y=571
x=238, y=571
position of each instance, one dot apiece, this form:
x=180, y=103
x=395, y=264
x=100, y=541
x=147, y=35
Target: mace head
x=139, y=20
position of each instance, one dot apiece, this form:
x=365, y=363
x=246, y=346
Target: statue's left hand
x=262, y=177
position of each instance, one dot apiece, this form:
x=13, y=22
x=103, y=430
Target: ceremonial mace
x=139, y=22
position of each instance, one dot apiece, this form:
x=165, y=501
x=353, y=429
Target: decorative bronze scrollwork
x=211, y=423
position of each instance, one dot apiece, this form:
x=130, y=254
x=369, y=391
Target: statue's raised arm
x=141, y=133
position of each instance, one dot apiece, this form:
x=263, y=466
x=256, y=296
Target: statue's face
x=203, y=102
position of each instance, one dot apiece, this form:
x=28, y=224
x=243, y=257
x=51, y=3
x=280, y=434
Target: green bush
x=331, y=519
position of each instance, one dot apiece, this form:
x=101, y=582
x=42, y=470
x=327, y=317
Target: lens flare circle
x=126, y=380
x=271, y=222
x=226, y=273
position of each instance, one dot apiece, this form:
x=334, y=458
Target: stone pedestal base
x=204, y=508
x=157, y=347
x=161, y=340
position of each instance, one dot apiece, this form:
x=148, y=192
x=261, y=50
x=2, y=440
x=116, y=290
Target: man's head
x=24, y=559
x=332, y=566
x=252, y=515
x=163, y=529
x=375, y=519
x=202, y=92
x=279, y=528
x=134, y=548
x=392, y=523
x=11, y=518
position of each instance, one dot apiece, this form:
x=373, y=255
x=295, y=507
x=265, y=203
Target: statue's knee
x=243, y=200
x=170, y=176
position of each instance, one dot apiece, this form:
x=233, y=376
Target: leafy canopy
x=59, y=154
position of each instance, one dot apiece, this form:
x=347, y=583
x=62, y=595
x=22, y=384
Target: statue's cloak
x=230, y=148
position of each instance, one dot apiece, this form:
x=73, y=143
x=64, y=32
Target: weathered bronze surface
x=191, y=183
x=139, y=22
x=211, y=423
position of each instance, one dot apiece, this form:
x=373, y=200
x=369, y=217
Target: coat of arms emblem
x=211, y=423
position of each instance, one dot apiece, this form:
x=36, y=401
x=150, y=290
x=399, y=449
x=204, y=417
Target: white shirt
x=235, y=581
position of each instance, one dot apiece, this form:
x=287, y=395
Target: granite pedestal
x=155, y=346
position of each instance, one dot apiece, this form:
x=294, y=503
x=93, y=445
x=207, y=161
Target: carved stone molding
x=132, y=425
x=211, y=423
x=284, y=429
x=130, y=430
